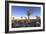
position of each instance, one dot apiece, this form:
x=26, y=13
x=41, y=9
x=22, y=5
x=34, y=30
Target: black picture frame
x=7, y=16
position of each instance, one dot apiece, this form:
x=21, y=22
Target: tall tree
x=29, y=12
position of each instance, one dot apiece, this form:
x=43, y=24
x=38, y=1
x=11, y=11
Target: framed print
x=24, y=16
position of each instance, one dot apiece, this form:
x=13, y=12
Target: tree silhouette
x=21, y=17
x=29, y=12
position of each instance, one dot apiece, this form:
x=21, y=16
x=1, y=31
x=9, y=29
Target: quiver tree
x=29, y=12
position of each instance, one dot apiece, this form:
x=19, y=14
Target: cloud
x=23, y=17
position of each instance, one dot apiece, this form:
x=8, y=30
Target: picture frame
x=20, y=3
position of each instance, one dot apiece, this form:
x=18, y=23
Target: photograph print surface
x=25, y=16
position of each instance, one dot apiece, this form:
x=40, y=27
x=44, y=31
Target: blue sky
x=19, y=11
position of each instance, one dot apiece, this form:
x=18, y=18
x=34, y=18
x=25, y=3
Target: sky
x=19, y=11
